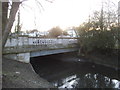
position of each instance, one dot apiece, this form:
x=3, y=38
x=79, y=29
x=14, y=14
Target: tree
x=55, y=32
x=100, y=33
x=4, y=14
x=7, y=23
x=7, y=27
x=101, y=19
x=18, y=26
x=65, y=33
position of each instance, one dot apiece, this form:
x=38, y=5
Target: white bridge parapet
x=22, y=48
x=21, y=41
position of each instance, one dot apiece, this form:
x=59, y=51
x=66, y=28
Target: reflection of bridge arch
x=22, y=48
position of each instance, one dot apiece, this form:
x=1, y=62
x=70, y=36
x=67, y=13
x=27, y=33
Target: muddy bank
x=111, y=61
x=21, y=75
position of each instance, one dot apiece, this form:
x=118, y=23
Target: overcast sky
x=63, y=13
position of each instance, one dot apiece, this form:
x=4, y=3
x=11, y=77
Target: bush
x=97, y=40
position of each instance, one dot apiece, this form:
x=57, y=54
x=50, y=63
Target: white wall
x=21, y=41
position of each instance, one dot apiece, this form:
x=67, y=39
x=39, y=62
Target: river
x=68, y=71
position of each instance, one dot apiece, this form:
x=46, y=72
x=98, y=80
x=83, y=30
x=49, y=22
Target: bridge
x=21, y=48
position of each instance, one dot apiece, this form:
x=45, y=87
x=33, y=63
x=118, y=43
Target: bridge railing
x=43, y=41
x=23, y=41
x=28, y=44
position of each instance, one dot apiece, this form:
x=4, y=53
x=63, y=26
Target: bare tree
x=7, y=23
x=4, y=14
x=105, y=18
x=6, y=31
x=110, y=13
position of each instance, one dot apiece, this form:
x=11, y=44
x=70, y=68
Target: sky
x=62, y=13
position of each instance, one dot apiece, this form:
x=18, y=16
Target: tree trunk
x=8, y=27
x=4, y=15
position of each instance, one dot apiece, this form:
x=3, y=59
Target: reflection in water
x=65, y=72
x=87, y=81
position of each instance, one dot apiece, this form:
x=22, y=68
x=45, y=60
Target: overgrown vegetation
x=100, y=33
x=105, y=42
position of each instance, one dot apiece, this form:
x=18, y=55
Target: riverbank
x=21, y=75
x=68, y=71
x=102, y=59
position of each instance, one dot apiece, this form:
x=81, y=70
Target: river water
x=68, y=71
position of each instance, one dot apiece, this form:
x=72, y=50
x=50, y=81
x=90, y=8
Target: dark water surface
x=67, y=71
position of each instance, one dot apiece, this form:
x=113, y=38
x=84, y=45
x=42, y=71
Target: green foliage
x=100, y=33
x=99, y=40
x=93, y=39
x=116, y=33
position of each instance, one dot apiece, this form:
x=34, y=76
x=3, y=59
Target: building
x=119, y=13
x=71, y=33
